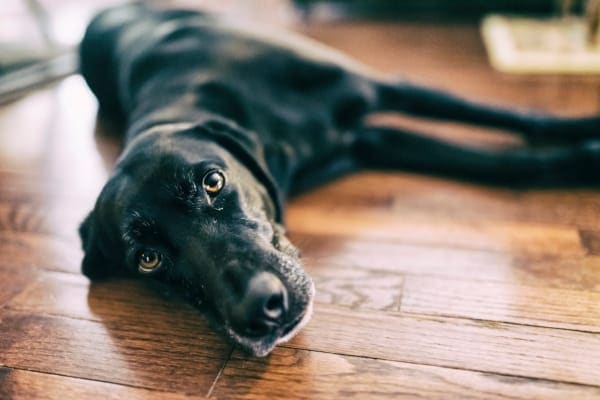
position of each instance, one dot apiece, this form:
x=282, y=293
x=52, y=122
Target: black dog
x=224, y=122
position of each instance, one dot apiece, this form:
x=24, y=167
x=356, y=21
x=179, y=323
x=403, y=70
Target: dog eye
x=213, y=182
x=149, y=261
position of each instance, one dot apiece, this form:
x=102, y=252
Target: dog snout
x=263, y=306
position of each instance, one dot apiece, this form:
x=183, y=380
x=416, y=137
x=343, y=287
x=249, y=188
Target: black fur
x=198, y=94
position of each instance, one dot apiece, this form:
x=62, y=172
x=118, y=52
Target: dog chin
x=261, y=347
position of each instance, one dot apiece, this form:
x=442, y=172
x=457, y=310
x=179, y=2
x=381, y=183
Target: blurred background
x=38, y=38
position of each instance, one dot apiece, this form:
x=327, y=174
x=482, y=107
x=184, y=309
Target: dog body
x=224, y=122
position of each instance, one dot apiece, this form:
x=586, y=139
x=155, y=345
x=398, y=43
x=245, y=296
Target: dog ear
x=95, y=264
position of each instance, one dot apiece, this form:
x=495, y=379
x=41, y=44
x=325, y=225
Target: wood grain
x=165, y=357
x=508, y=237
x=74, y=296
x=38, y=185
x=413, y=194
x=485, y=346
x=358, y=289
x=26, y=250
x=519, y=304
x=117, y=331
x=27, y=385
x=14, y=281
x=321, y=252
x=312, y=375
x=60, y=218
x=452, y=342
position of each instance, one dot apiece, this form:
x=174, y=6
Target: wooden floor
x=426, y=287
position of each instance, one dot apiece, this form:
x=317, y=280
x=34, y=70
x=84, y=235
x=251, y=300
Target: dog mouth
x=261, y=346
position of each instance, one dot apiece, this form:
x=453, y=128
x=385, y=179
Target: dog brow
x=138, y=227
x=184, y=188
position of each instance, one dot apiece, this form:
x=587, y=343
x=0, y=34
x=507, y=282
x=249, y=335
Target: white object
x=540, y=46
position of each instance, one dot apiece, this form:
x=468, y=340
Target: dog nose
x=264, y=303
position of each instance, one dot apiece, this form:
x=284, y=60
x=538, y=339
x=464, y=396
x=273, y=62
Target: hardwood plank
x=26, y=385
x=112, y=301
x=577, y=207
x=519, y=304
x=495, y=292
x=72, y=295
x=13, y=281
x=61, y=218
x=485, y=346
x=58, y=143
x=358, y=289
x=400, y=191
x=314, y=375
x=324, y=252
x=36, y=184
x=510, y=237
x=33, y=251
x=126, y=332
x=168, y=356
x=413, y=194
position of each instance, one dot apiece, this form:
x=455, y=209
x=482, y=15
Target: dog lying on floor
x=224, y=121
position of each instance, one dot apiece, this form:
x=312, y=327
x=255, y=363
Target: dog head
x=202, y=216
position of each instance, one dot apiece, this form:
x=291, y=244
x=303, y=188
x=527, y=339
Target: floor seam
x=214, y=384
